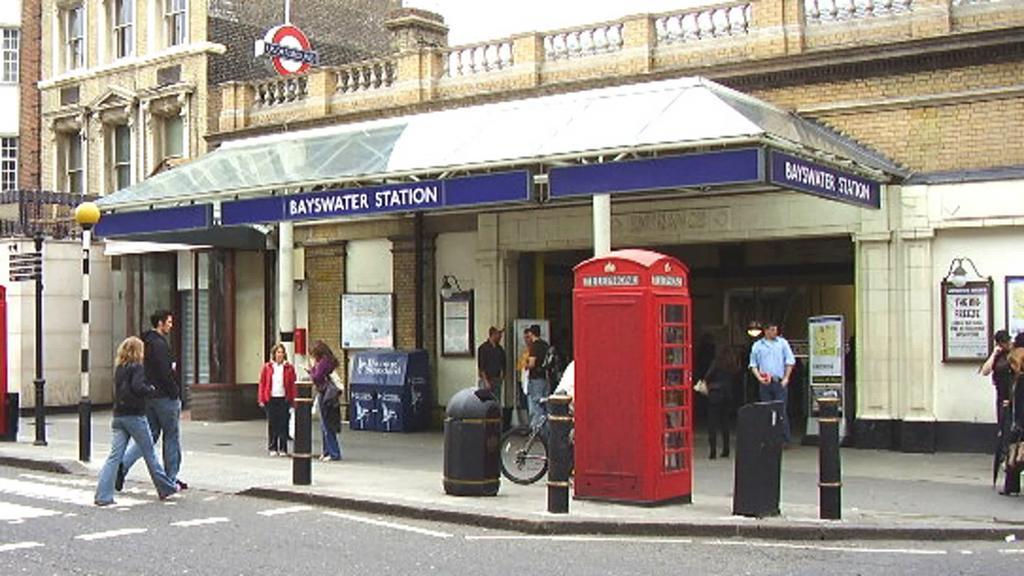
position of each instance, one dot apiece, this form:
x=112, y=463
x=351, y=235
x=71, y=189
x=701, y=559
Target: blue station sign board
x=497, y=188
x=803, y=175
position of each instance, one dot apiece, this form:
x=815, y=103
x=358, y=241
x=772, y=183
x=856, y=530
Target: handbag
x=701, y=387
x=1014, y=455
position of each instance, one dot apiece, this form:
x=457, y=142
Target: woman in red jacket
x=276, y=395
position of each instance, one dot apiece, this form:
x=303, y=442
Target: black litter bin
x=11, y=411
x=758, y=460
x=472, y=434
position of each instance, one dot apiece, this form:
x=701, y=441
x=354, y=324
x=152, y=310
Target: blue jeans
x=775, y=391
x=536, y=390
x=163, y=415
x=331, y=446
x=136, y=429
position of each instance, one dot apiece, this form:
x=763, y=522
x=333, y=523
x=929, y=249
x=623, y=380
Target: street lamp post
x=40, y=382
x=87, y=214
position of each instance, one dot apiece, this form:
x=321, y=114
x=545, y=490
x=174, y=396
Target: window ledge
x=121, y=64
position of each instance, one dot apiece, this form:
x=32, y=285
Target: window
x=173, y=126
x=175, y=20
x=9, y=55
x=8, y=163
x=122, y=157
x=74, y=37
x=124, y=20
x=72, y=170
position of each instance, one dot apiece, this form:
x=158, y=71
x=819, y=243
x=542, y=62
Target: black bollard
x=829, y=476
x=559, y=454
x=84, y=429
x=302, y=457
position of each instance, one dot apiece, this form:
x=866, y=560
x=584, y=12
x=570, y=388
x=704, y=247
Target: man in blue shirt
x=771, y=361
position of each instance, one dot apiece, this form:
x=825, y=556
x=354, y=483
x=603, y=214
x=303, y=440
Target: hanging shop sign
x=966, y=321
x=404, y=197
x=803, y=175
x=288, y=48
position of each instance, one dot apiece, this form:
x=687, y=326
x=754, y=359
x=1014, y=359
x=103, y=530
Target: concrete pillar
x=286, y=285
x=602, y=208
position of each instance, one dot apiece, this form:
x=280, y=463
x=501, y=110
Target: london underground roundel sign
x=288, y=48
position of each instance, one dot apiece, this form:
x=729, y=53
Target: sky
x=471, y=21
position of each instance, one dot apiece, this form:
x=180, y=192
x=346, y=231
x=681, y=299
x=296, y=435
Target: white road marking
x=288, y=510
x=51, y=493
x=1011, y=551
x=549, y=538
x=111, y=534
x=392, y=525
x=788, y=546
x=200, y=522
x=16, y=512
x=19, y=546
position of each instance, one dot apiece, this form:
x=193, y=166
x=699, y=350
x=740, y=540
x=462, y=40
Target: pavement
x=885, y=496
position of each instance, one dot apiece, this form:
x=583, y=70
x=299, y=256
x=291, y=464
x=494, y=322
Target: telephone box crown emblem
x=668, y=266
x=609, y=268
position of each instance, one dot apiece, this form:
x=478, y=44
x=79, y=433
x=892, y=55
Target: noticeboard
x=367, y=321
x=1015, y=304
x=457, y=324
x=826, y=347
x=966, y=321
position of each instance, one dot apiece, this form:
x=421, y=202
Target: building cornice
x=170, y=56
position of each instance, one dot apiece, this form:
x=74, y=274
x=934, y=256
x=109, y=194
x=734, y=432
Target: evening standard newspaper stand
x=633, y=402
x=390, y=391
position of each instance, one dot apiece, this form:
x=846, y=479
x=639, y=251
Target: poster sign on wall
x=367, y=321
x=457, y=324
x=1015, y=304
x=966, y=321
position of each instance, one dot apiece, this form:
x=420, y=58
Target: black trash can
x=758, y=460
x=11, y=411
x=472, y=434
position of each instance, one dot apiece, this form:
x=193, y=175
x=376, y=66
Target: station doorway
x=732, y=285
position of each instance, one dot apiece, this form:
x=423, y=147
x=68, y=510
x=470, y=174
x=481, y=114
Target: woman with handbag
x=276, y=394
x=322, y=365
x=718, y=381
x=1014, y=439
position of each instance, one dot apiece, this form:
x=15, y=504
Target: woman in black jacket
x=719, y=379
x=130, y=392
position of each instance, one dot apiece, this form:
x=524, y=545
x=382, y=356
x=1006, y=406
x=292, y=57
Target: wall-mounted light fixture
x=447, y=290
x=754, y=329
x=957, y=274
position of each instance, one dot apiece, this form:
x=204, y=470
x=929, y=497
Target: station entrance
x=733, y=285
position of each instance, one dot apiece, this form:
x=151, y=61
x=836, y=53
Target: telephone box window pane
x=673, y=356
x=674, y=420
x=673, y=313
x=674, y=440
x=673, y=335
x=674, y=377
x=673, y=398
x=674, y=461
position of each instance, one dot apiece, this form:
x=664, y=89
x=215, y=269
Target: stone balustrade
x=681, y=42
x=584, y=41
x=704, y=23
x=478, y=58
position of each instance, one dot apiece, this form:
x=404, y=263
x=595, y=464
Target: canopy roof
x=665, y=115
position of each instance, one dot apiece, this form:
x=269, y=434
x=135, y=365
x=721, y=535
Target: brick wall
x=30, y=62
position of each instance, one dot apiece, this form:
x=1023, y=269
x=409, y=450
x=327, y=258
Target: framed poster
x=966, y=321
x=1014, y=305
x=826, y=340
x=457, y=324
x=367, y=321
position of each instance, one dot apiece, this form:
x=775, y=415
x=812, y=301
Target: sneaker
x=181, y=485
x=273, y=453
x=101, y=503
x=119, y=479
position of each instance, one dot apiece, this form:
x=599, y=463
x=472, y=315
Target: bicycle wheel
x=524, y=460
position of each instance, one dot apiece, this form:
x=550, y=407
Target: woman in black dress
x=719, y=378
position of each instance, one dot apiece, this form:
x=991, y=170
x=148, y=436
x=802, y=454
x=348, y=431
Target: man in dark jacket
x=163, y=409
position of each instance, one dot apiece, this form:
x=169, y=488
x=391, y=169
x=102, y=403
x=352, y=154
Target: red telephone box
x=633, y=353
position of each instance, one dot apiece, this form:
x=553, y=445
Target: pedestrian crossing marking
x=19, y=546
x=288, y=510
x=111, y=534
x=200, y=522
x=52, y=493
x=13, y=513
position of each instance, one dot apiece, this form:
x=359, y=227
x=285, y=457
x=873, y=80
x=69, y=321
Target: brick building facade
x=931, y=84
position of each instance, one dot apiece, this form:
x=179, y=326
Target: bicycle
x=524, y=453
